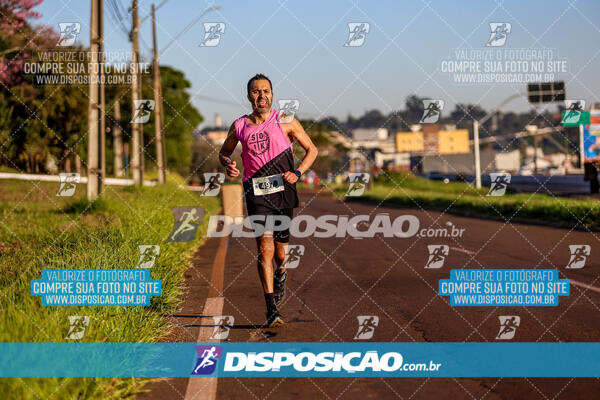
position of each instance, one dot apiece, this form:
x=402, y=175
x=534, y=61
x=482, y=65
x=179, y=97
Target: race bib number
x=267, y=184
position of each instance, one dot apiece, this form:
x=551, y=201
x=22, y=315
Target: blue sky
x=299, y=45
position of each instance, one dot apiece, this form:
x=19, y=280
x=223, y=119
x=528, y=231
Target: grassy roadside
x=407, y=190
x=39, y=230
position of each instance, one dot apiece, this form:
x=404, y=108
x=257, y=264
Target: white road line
x=584, y=285
x=462, y=250
x=205, y=388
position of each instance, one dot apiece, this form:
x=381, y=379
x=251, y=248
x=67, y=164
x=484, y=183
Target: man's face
x=261, y=96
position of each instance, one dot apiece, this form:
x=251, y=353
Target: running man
x=269, y=180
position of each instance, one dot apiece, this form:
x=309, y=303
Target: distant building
x=430, y=140
x=456, y=163
x=216, y=137
x=338, y=137
x=372, y=139
x=453, y=142
x=370, y=147
x=392, y=160
x=410, y=142
x=369, y=134
x=508, y=161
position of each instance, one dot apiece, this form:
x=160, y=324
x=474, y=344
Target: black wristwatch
x=298, y=173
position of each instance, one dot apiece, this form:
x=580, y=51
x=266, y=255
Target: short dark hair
x=256, y=78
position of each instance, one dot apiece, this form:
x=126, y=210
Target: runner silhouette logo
x=223, y=324
x=148, y=255
x=499, y=33
x=186, y=221
x=358, y=184
x=432, y=109
x=68, y=183
x=212, y=34
x=358, y=34
x=288, y=110
x=77, y=325
x=499, y=183
x=293, y=254
x=573, y=111
x=437, y=255
x=579, y=255
x=366, y=326
x=68, y=33
x=207, y=359
x=508, y=326
x=142, y=110
x=212, y=183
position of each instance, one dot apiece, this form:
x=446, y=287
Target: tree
x=464, y=114
x=414, y=109
x=181, y=119
x=16, y=38
x=25, y=140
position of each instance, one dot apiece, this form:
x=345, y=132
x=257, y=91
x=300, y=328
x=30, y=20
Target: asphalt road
x=339, y=279
x=557, y=185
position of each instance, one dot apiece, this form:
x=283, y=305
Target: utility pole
x=137, y=154
x=96, y=104
x=77, y=158
x=581, y=147
x=535, y=154
x=158, y=105
x=476, y=154
x=118, y=140
x=566, y=135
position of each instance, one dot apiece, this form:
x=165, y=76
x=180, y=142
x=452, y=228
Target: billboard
x=591, y=136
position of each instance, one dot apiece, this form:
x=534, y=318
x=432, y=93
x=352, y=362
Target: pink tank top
x=260, y=143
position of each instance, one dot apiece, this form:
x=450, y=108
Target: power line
x=189, y=26
x=155, y=9
x=117, y=14
x=217, y=100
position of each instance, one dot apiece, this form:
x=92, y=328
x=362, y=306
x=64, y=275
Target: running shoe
x=274, y=319
x=279, y=286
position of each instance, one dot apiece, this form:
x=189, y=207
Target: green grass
x=407, y=190
x=39, y=230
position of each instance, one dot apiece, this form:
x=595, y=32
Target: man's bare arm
x=225, y=153
x=297, y=133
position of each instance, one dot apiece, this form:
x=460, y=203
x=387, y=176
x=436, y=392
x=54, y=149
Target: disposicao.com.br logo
x=326, y=226
x=351, y=362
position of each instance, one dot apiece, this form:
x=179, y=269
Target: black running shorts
x=281, y=236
